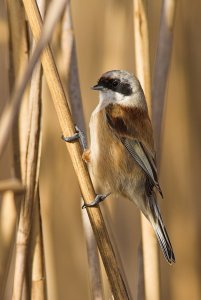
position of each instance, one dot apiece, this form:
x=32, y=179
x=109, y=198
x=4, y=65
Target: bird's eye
x=115, y=83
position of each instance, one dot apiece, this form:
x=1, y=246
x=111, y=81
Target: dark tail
x=160, y=231
x=164, y=241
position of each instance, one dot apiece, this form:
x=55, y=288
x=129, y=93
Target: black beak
x=97, y=87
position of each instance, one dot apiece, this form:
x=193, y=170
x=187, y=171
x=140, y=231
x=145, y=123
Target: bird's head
x=120, y=87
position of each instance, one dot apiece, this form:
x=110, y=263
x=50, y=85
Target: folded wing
x=136, y=148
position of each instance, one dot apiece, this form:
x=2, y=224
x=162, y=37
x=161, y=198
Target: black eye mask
x=116, y=85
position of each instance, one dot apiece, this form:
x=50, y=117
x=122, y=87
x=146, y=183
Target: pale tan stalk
x=31, y=182
x=96, y=285
x=7, y=121
x=8, y=217
x=70, y=69
x=71, y=78
x=67, y=41
x=38, y=280
x=140, y=294
x=18, y=61
x=149, y=243
x=12, y=184
x=161, y=69
x=26, y=210
x=18, y=57
x=63, y=112
x=141, y=36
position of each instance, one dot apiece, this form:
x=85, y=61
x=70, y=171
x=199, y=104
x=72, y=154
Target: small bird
x=121, y=157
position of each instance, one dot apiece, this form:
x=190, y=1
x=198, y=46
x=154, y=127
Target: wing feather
x=135, y=148
x=140, y=155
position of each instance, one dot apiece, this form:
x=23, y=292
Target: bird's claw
x=96, y=201
x=78, y=135
x=72, y=138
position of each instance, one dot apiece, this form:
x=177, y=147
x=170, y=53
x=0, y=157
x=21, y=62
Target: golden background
x=104, y=40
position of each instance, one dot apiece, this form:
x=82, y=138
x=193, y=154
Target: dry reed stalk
x=64, y=116
x=140, y=294
x=141, y=37
x=19, y=49
x=107, y=217
x=95, y=279
x=71, y=77
x=12, y=184
x=38, y=284
x=33, y=133
x=25, y=222
x=18, y=57
x=31, y=182
x=163, y=57
x=67, y=41
x=69, y=68
x=10, y=112
x=149, y=243
x=8, y=225
x=38, y=287
x=9, y=117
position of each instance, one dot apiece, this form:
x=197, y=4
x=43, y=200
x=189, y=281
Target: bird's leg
x=96, y=201
x=78, y=135
x=71, y=139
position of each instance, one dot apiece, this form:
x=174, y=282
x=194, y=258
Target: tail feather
x=164, y=242
x=161, y=231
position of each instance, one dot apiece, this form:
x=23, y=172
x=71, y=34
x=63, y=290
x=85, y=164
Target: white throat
x=110, y=97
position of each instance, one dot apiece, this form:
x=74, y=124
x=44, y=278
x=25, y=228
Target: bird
x=121, y=156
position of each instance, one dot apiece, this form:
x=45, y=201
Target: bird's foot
x=96, y=201
x=78, y=135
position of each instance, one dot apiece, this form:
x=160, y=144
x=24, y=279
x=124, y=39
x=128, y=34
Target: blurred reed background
x=105, y=40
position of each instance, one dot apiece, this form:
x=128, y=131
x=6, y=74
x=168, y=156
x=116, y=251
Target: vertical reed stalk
x=70, y=72
x=7, y=201
x=38, y=287
x=26, y=210
x=31, y=182
x=19, y=48
x=149, y=243
x=38, y=280
x=163, y=57
x=140, y=293
x=8, y=223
